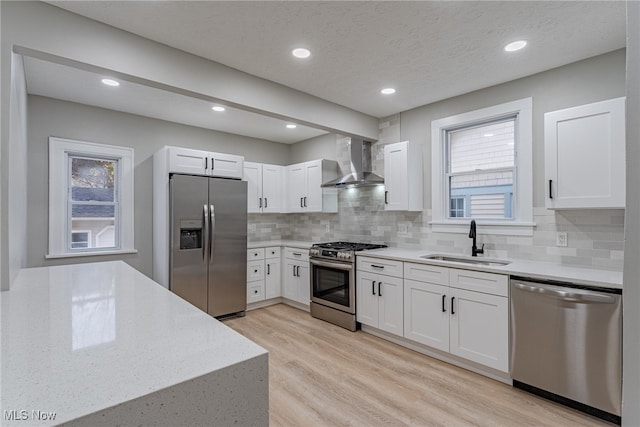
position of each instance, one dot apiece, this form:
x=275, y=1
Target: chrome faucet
x=472, y=234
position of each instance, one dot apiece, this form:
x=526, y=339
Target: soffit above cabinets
x=71, y=84
x=427, y=50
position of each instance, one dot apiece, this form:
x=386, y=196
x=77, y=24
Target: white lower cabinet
x=379, y=297
x=443, y=309
x=263, y=274
x=296, y=275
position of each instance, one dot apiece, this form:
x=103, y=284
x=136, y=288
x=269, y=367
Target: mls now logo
x=23, y=415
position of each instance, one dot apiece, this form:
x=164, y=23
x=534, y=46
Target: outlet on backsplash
x=561, y=239
x=403, y=229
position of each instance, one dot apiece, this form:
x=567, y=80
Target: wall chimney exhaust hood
x=361, y=175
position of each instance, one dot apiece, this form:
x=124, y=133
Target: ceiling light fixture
x=110, y=82
x=388, y=91
x=301, y=53
x=218, y=108
x=291, y=126
x=514, y=46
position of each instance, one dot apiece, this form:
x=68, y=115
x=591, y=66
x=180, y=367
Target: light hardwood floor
x=323, y=375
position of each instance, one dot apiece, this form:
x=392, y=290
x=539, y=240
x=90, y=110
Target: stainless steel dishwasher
x=566, y=344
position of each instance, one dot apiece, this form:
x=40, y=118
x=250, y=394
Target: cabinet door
x=585, y=156
x=304, y=287
x=296, y=181
x=479, y=328
x=395, y=177
x=255, y=270
x=426, y=314
x=255, y=291
x=390, y=308
x=253, y=176
x=367, y=298
x=272, y=278
x=272, y=185
x=185, y=160
x=312, y=201
x=290, y=290
x=226, y=165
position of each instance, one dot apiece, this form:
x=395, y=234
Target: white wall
x=631, y=293
x=50, y=117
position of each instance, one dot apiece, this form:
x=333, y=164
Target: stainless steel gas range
x=333, y=281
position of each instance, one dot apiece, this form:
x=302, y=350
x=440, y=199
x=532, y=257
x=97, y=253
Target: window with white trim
x=482, y=169
x=90, y=198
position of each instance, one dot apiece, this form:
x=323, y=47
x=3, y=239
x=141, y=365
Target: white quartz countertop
x=80, y=338
x=290, y=243
x=529, y=269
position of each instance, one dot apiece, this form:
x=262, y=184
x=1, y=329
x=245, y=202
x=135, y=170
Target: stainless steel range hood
x=361, y=175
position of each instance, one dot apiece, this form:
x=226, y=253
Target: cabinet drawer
x=380, y=266
x=255, y=291
x=255, y=270
x=488, y=283
x=253, y=254
x=426, y=273
x=272, y=252
x=297, y=254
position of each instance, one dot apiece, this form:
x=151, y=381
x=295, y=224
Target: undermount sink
x=466, y=260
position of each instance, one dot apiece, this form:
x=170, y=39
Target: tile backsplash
x=595, y=237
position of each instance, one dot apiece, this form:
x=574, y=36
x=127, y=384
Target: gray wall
x=631, y=296
x=50, y=117
x=320, y=147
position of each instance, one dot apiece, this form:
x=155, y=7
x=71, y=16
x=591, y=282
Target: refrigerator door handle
x=212, y=230
x=205, y=222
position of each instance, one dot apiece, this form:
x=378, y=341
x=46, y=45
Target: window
x=482, y=170
x=90, y=199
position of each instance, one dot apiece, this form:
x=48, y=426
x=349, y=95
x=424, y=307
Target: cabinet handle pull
x=265, y=202
x=294, y=271
x=377, y=266
x=305, y=201
x=444, y=309
x=551, y=189
x=386, y=197
x=213, y=163
x=452, y=310
x=379, y=289
x=255, y=271
x=373, y=287
x=296, y=253
x=255, y=291
x=260, y=202
x=298, y=271
x=268, y=269
x=301, y=202
x=206, y=163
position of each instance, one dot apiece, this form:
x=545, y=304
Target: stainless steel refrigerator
x=209, y=242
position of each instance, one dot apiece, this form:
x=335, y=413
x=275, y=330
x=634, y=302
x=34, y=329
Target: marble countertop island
x=102, y=344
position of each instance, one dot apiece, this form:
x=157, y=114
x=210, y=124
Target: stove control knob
x=347, y=255
x=340, y=255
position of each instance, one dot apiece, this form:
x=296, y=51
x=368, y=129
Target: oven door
x=333, y=284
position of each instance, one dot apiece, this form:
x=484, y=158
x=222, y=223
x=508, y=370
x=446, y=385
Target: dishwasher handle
x=567, y=294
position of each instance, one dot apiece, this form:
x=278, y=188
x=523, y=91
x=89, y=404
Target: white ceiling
x=427, y=50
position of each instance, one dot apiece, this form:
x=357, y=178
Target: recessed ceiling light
x=388, y=91
x=517, y=45
x=218, y=108
x=291, y=126
x=301, y=52
x=110, y=82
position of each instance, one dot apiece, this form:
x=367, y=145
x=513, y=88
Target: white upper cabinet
x=585, y=156
x=265, y=187
x=402, y=177
x=198, y=162
x=304, y=191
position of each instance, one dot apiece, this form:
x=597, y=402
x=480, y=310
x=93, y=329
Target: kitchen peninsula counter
x=102, y=344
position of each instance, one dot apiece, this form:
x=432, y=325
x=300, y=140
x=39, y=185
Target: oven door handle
x=336, y=265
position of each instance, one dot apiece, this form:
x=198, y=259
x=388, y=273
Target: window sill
x=93, y=253
x=503, y=228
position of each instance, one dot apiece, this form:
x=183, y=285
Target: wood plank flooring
x=323, y=375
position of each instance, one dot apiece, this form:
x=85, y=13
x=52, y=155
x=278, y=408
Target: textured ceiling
x=427, y=50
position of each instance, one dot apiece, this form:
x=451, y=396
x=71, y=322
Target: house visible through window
x=481, y=169
x=90, y=198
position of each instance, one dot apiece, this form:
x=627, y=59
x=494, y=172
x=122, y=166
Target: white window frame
x=59, y=151
x=522, y=222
